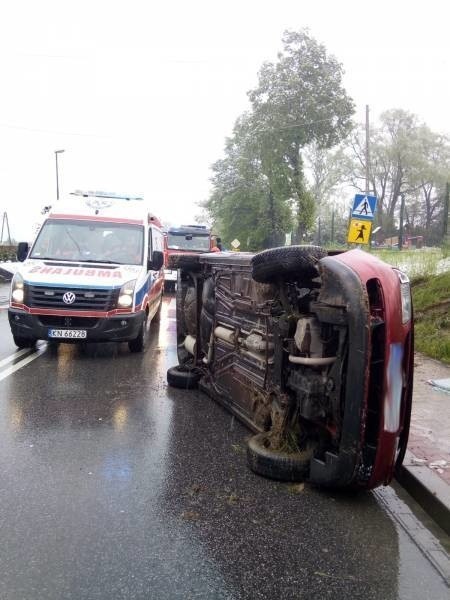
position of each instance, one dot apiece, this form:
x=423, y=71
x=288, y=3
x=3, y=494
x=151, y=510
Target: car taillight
x=405, y=293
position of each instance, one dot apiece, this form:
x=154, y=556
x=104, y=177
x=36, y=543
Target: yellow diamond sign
x=359, y=231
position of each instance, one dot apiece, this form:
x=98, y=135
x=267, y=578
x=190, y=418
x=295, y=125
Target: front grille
x=85, y=299
x=68, y=322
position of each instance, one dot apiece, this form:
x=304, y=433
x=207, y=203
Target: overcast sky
x=141, y=95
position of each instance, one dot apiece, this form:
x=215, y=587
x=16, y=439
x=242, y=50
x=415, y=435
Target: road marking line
x=18, y=354
x=172, y=303
x=40, y=350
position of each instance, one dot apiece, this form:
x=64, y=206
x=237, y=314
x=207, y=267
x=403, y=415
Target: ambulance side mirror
x=22, y=251
x=157, y=261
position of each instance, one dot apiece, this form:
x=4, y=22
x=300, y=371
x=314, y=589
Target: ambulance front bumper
x=117, y=328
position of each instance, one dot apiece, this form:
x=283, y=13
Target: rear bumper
x=117, y=328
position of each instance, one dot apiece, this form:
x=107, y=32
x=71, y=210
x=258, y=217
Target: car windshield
x=90, y=241
x=188, y=241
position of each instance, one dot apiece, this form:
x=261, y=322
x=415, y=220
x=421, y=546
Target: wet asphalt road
x=113, y=485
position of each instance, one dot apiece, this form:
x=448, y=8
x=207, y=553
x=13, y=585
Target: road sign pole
x=400, y=231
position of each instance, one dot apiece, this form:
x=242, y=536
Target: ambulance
x=93, y=274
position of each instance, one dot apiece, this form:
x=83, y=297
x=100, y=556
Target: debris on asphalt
x=190, y=515
x=296, y=488
x=238, y=448
x=438, y=464
x=418, y=461
x=442, y=385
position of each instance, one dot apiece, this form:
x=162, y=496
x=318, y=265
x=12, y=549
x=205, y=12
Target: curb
x=427, y=488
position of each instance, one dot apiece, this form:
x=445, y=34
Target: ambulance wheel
x=139, y=343
x=286, y=262
x=277, y=465
x=182, y=378
x=24, y=342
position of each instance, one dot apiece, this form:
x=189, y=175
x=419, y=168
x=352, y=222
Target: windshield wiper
x=107, y=262
x=57, y=259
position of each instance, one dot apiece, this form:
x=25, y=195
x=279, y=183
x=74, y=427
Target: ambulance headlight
x=125, y=299
x=17, y=288
x=405, y=294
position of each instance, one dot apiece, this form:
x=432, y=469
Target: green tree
x=299, y=100
x=405, y=157
x=248, y=201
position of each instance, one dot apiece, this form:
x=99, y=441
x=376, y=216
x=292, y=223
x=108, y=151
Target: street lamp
x=57, y=180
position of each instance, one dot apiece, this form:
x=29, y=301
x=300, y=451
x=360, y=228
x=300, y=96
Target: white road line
x=172, y=303
x=18, y=354
x=40, y=350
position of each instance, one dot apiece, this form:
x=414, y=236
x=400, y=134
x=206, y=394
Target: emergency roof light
x=100, y=194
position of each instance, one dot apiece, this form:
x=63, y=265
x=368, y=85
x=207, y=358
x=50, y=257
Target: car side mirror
x=22, y=251
x=157, y=261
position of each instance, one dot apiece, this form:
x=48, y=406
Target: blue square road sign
x=364, y=206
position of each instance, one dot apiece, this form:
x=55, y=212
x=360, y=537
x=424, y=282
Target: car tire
x=190, y=311
x=208, y=296
x=286, y=262
x=24, y=342
x=182, y=378
x=139, y=344
x=282, y=466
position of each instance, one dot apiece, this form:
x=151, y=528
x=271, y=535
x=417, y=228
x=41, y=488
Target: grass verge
x=431, y=301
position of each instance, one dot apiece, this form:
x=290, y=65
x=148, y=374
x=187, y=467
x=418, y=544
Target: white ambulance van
x=93, y=274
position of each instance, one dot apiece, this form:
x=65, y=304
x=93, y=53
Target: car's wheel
x=24, y=342
x=277, y=465
x=208, y=297
x=190, y=310
x=182, y=377
x=139, y=343
x=286, y=262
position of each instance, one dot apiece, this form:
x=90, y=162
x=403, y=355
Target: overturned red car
x=312, y=350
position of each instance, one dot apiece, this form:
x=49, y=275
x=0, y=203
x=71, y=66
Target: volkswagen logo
x=69, y=298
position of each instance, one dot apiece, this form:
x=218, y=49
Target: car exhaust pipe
x=190, y=343
x=226, y=335
x=312, y=362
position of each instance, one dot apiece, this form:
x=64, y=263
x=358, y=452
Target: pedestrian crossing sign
x=359, y=231
x=364, y=206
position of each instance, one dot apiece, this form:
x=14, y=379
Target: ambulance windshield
x=90, y=241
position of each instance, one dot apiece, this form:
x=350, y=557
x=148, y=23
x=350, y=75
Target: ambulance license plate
x=67, y=333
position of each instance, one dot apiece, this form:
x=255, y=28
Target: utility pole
x=400, y=231
x=332, y=226
x=446, y=208
x=5, y=224
x=367, y=150
x=57, y=178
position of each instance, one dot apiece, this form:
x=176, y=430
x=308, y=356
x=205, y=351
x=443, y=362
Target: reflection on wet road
x=115, y=486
